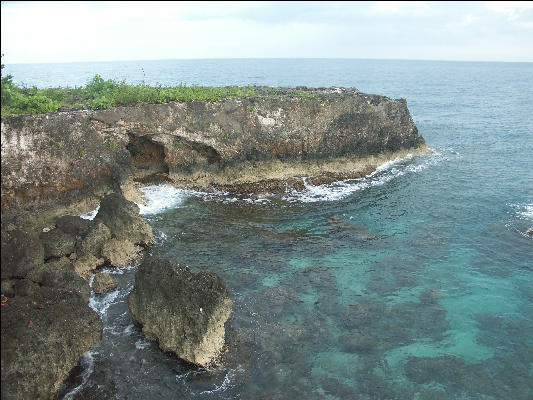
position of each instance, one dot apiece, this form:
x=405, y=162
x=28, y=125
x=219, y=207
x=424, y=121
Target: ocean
x=413, y=283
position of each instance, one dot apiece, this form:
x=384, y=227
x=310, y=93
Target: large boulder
x=184, y=311
x=123, y=220
x=43, y=336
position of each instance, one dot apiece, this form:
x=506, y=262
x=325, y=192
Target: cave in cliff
x=148, y=159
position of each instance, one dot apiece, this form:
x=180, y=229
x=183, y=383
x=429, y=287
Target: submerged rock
x=184, y=311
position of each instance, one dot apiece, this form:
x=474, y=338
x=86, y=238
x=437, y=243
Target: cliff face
x=76, y=156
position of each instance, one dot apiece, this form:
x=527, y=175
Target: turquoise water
x=414, y=283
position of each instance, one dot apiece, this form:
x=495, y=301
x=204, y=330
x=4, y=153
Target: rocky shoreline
x=62, y=164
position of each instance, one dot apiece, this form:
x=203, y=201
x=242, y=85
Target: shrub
x=99, y=93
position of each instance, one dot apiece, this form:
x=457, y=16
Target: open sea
x=413, y=283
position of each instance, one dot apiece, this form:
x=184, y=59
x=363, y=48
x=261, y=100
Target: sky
x=43, y=32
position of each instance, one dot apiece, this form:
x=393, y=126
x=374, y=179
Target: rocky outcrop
x=123, y=220
x=46, y=321
x=66, y=161
x=183, y=311
x=103, y=282
x=46, y=327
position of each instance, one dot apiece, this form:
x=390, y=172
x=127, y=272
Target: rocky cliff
x=72, y=158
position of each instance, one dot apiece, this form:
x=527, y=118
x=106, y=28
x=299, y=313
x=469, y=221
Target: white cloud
x=512, y=9
x=468, y=18
x=399, y=6
x=109, y=31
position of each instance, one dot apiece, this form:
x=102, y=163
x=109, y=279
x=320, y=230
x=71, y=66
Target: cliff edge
x=55, y=161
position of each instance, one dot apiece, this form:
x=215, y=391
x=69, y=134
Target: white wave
x=120, y=270
x=100, y=303
x=141, y=344
x=87, y=362
x=258, y=200
x=226, y=384
x=527, y=212
x=384, y=173
x=521, y=219
x=161, y=197
x=523, y=210
x=387, y=165
x=91, y=214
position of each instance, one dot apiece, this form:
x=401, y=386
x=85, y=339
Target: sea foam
x=160, y=198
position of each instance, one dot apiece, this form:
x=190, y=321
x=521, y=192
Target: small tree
x=7, y=85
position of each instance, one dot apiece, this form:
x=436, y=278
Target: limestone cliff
x=74, y=157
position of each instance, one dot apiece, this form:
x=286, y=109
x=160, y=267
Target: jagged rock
x=57, y=243
x=123, y=220
x=85, y=265
x=43, y=336
x=120, y=253
x=184, y=311
x=95, y=238
x=21, y=252
x=103, y=282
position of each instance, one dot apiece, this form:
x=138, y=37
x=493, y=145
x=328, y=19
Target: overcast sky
x=111, y=31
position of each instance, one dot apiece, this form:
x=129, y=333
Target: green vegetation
x=113, y=145
x=100, y=93
x=177, y=144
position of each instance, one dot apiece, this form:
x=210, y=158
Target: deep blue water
x=415, y=283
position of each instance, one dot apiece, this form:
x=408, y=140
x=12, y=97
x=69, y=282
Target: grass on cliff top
x=99, y=93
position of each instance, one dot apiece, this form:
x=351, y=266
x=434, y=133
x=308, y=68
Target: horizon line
x=268, y=58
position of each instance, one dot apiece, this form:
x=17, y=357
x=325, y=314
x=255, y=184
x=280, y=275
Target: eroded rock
x=57, y=243
x=103, y=283
x=43, y=336
x=95, y=238
x=183, y=311
x=85, y=265
x=120, y=253
x=73, y=225
x=123, y=220
x=21, y=252
x=62, y=276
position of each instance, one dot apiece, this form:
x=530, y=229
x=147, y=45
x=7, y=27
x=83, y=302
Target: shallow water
x=413, y=283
